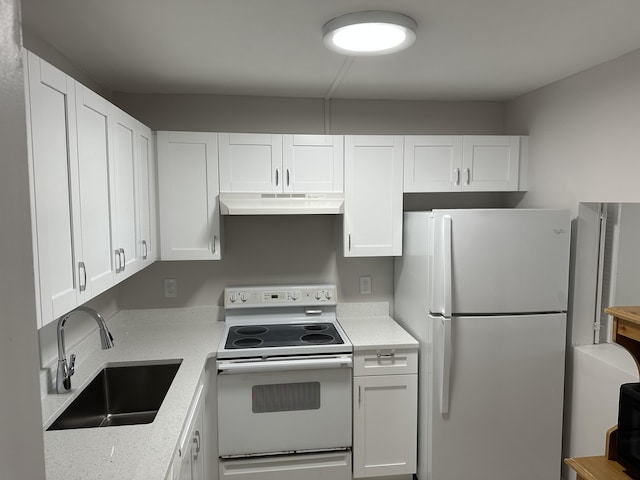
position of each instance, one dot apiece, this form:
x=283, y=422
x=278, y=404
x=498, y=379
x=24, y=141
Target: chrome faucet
x=65, y=371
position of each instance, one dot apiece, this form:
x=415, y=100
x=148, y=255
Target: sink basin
x=120, y=395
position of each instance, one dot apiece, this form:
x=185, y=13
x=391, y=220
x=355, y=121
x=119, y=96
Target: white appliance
x=485, y=293
x=284, y=382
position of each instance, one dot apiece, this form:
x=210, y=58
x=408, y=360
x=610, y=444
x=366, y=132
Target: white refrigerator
x=485, y=293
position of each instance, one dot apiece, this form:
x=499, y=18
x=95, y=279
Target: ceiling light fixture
x=371, y=32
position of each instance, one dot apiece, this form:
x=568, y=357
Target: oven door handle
x=230, y=367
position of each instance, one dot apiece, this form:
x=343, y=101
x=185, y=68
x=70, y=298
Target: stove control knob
x=327, y=294
x=318, y=294
x=295, y=295
x=233, y=297
x=244, y=297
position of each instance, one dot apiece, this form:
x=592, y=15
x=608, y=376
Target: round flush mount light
x=371, y=32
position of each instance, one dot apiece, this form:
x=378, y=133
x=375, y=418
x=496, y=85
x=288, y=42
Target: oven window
x=285, y=397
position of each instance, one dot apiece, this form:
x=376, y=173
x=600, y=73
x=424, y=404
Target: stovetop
x=282, y=335
x=274, y=321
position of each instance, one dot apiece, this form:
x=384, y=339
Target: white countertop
x=134, y=451
x=371, y=332
x=141, y=452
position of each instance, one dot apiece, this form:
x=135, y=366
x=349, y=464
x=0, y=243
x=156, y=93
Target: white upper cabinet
x=265, y=163
x=53, y=165
x=373, y=195
x=188, y=194
x=480, y=163
x=93, y=186
x=123, y=192
x=250, y=162
x=491, y=163
x=146, y=194
x=312, y=163
x=432, y=163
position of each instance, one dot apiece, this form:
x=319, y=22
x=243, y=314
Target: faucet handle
x=72, y=365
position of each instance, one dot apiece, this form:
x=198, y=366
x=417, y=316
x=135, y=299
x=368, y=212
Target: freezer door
x=500, y=261
x=506, y=380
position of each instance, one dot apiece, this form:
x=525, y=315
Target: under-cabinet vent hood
x=281, y=203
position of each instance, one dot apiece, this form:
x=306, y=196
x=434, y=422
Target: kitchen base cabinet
x=189, y=460
x=385, y=416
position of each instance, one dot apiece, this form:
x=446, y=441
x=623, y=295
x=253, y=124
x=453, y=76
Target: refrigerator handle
x=446, y=241
x=446, y=365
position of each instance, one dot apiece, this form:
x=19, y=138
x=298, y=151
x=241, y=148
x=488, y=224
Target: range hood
x=281, y=203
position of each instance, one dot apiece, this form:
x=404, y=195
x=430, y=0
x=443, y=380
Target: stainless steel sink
x=120, y=395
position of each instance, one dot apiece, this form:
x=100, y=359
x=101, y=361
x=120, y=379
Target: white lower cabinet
x=188, y=196
x=385, y=413
x=189, y=459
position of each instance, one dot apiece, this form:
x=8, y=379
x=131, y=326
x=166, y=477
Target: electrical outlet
x=170, y=288
x=365, y=285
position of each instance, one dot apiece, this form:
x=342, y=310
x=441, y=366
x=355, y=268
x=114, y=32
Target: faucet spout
x=66, y=370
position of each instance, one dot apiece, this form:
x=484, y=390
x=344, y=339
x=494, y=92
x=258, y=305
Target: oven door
x=285, y=405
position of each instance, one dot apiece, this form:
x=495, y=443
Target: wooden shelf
x=597, y=468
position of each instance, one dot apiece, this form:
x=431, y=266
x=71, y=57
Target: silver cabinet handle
x=349, y=242
x=386, y=355
x=119, y=261
x=124, y=260
x=359, y=394
x=146, y=250
x=196, y=443
x=83, y=284
x=468, y=172
x=213, y=244
x=288, y=175
x=277, y=176
x=457, y=176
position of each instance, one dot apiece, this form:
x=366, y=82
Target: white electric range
x=284, y=384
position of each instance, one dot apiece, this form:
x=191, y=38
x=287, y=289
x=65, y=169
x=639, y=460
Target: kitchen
x=573, y=125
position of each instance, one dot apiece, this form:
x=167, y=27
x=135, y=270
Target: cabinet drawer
x=385, y=361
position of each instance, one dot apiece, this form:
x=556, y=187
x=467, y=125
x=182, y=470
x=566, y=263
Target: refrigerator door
x=500, y=261
x=506, y=379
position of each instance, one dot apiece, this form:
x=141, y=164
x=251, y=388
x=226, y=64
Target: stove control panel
x=247, y=297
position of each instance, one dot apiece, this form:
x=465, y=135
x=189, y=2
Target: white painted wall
x=583, y=147
x=21, y=444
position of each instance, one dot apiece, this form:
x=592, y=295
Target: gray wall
x=288, y=249
x=21, y=445
x=584, y=148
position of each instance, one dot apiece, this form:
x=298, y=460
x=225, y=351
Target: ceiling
x=465, y=49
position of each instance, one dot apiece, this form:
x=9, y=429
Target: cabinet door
x=123, y=192
x=93, y=183
x=432, y=163
x=189, y=200
x=250, y=162
x=373, y=196
x=491, y=163
x=54, y=188
x=384, y=425
x=312, y=163
x=146, y=196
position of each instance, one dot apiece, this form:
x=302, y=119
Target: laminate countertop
x=137, y=452
x=377, y=331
